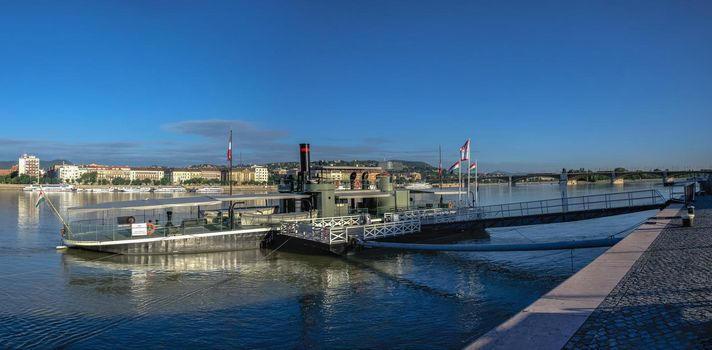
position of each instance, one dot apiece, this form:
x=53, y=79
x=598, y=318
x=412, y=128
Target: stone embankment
x=651, y=290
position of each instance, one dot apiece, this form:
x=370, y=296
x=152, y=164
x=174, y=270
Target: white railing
x=383, y=230
x=436, y=216
x=549, y=206
x=338, y=235
x=336, y=221
x=305, y=231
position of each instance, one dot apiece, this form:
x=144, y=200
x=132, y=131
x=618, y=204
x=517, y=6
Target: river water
x=264, y=299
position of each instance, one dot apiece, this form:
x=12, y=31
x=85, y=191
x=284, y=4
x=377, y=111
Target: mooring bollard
x=688, y=220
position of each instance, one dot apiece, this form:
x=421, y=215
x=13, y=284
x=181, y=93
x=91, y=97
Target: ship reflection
x=183, y=283
x=219, y=261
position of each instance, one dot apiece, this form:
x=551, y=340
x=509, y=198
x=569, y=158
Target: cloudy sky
x=537, y=85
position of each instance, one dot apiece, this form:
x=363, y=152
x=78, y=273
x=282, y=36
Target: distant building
x=261, y=173
x=68, y=173
x=342, y=175
x=107, y=172
x=29, y=165
x=210, y=174
x=5, y=172
x=246, y=175
x=280, y=171
x=178, y=176
x=335, y=176
x=141, y=174
x=415, y=176
x=113, y=172
x=238, y=176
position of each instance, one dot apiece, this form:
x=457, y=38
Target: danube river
x=263, y=299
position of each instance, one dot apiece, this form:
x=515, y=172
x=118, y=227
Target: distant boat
x=419, y=186
x=50, y=188
x=101, y=190
x=135, y=189
x=213, y=189
x=170, y=189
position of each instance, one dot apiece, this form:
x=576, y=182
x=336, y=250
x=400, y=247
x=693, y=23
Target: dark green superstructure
x=329, y=202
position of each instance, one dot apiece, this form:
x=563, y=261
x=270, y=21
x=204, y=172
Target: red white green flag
x=465, y=151
x=40, y=199
x=229, y=147
x=454, y=166
x=473, y=166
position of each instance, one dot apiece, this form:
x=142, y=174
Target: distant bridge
x=616, y=177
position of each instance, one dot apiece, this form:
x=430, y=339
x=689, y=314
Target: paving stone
x=665, y=300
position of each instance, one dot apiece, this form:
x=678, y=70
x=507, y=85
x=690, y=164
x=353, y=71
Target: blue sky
x=537, y=85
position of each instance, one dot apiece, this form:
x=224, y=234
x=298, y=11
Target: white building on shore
x=261, y=173
x=69, y=173
x=29, y=165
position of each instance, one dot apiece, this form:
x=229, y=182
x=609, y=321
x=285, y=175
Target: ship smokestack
x=304, y=161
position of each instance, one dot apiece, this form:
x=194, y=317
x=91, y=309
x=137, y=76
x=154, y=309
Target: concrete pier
x=665, y=300
x=651, y=290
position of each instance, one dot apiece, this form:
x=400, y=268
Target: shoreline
x=19, y=187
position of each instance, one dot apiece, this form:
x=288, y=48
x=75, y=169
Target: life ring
x=150, y=228
x=130, y=219
x=450, y=205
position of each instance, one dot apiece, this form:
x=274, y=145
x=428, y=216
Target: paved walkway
x=665, y=301
x=652, y=290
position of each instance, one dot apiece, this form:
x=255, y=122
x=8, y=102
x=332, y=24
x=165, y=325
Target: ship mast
x=229, y=164
x=440, y=171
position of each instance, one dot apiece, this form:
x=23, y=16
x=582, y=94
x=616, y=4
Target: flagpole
x=440, y=171
x=476, y=189
x=57, y=213
x=459, y=184
x=468, y=171
x=440, y=166
x=59, y=216
x=229, y=169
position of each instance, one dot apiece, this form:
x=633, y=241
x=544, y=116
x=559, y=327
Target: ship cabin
x=164, y=217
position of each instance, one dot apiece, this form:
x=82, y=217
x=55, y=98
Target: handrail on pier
x=341, y=234
x=537, y=207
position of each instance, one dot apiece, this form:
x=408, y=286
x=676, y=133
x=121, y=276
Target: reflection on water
x=27, y=216
x=265, y=299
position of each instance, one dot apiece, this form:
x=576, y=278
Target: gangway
x=337, y=233
x=633, y=200
x=340, y=233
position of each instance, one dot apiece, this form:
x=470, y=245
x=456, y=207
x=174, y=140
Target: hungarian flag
x=229, y=147
x=454, y=166
x=473, y=166
x=40, y=199
x=465, y=151
x=440, y=168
